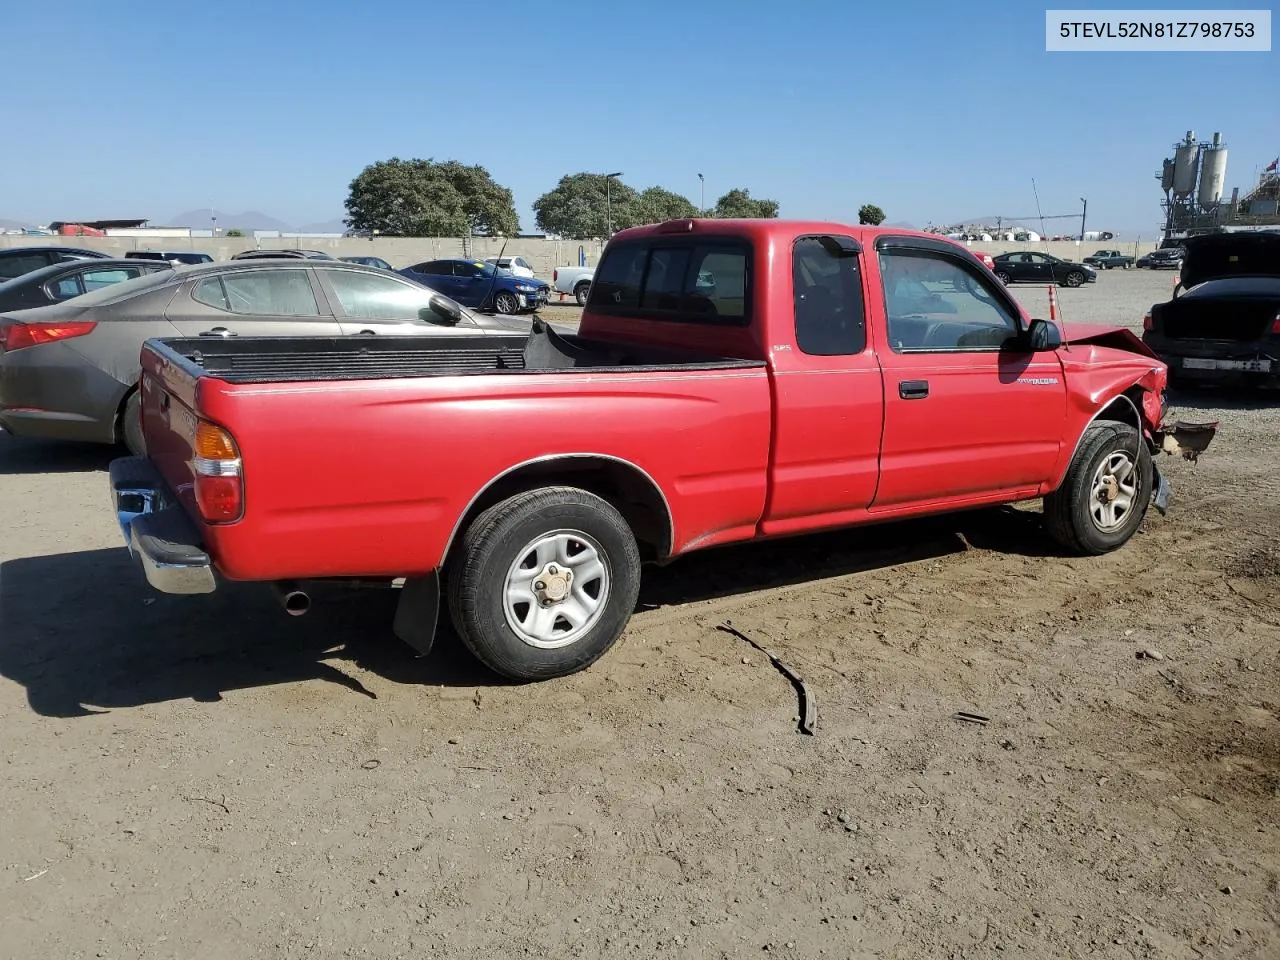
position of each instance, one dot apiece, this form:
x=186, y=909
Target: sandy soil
x=206, y=778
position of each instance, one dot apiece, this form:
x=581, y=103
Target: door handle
x=218, y=332
x=913, y=389
x=367, y=333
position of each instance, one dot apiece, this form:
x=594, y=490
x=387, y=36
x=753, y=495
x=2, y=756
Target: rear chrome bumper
x=157, y=530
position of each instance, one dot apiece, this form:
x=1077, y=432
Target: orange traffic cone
x=1053, y=304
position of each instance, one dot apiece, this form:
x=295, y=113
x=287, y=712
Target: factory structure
x=1193, y=181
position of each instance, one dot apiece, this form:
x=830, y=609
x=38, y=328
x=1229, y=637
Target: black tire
x=581, y=292
x=1069, y=510
x=505, y=303
x=1074, y=278
x=495, y=543
x=131, y=425
x=1002, y=277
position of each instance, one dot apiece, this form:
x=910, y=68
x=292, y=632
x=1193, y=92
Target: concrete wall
x=545, y=255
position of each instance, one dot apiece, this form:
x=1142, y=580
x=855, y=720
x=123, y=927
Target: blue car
x=480, y=285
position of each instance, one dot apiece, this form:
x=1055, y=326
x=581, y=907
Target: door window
x=65, y=288
x=11, y=267
x=466, y=269
x=271, y=293
x=936, y=303
x=434, y=268
x=827, y=286
x=377, y=298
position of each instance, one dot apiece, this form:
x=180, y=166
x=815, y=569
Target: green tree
x=738, y=204
x=425, y=198
x=656, y=205
x=234, y=232
x=870, y=214
x=582, y=206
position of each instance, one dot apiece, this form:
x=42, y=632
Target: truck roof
x=774, y=229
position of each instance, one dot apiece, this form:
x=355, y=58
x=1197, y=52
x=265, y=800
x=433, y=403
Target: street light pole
x=1084, y=209
x=702, y=206
x=608, y=202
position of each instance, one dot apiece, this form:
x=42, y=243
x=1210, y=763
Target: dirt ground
x=206, y=778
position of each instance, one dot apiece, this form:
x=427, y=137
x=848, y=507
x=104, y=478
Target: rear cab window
x=702, y=280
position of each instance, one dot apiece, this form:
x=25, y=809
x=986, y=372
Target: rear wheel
x=544, y=583
x=581, y=292
x=131, y=425
x=1107, y=490
x=1002, y=277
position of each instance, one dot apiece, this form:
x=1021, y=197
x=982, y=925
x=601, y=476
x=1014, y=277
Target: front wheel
x=1105, y=494
x=506, y=303
x=1074, y=278
x=544, y=583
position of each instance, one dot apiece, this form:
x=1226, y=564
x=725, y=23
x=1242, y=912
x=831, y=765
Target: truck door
x=257, y=302
x=969, y=410
x=828, y=392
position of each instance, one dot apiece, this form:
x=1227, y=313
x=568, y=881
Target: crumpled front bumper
x=1186, y=438
x=157, y=530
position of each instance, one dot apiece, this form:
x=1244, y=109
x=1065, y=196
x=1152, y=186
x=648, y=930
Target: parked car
x=1168, y=258
x=574, y=280
x=517, y=266
x=170, y=256
x=368, y=262
x=1109, y=260
x=675, y=421
x=481, y=285
x=1225, y=327
x=288, y=254
x=1041, y=268
x=19, y=260
x=69, y=371
x=70, y=279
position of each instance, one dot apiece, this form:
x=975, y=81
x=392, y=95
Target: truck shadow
x=20, y=455
x=84, y=634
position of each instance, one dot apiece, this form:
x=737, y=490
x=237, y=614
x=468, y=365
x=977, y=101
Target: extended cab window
x=934, y=302
x=827, y=285
x=692, y=281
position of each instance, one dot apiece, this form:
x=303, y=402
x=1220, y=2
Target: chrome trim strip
x=671, y=522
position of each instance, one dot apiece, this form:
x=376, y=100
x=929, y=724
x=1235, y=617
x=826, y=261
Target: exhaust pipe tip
x=293, y=598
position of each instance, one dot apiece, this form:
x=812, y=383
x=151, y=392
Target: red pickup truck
x=730, y=380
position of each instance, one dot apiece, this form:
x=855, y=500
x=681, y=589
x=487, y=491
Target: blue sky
x=935, y=111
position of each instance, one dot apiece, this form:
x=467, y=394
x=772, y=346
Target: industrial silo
x=1213, y=173
x=1184, y=166
x=1166, y=176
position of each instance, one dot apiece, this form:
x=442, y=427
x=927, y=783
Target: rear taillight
x=555, y=276
x=16, y=335
x=1275, y=324
x=1146, y=321
x=219, y=487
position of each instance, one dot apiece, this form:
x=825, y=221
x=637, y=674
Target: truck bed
x=250, y=360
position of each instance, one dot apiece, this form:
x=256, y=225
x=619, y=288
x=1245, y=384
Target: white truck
x=574, y=280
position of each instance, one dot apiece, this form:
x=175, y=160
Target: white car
x=518, y=266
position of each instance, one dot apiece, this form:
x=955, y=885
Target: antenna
x=1039, y=212
x=494, y=282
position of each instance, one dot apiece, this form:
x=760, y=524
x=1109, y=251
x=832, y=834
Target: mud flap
x=1160, y=500
x=417, y=612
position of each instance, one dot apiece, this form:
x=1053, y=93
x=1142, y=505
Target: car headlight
x=525, y=288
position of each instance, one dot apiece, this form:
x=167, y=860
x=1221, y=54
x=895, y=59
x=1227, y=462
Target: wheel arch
x=1123, y=407
x=627, y=487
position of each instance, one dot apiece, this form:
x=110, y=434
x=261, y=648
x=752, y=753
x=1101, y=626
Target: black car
x=20, y=260
x=281, y=255
x=1225, y=327
x=170, y=256
x=1167, y=258
x=63, y=281
x=368, y=262
x=1041, y=268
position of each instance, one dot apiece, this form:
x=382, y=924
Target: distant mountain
x=325, y=226
x=249, y=220
x=14, y=224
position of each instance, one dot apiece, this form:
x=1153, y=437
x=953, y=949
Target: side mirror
x=1044, y=335
x=441, y=310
